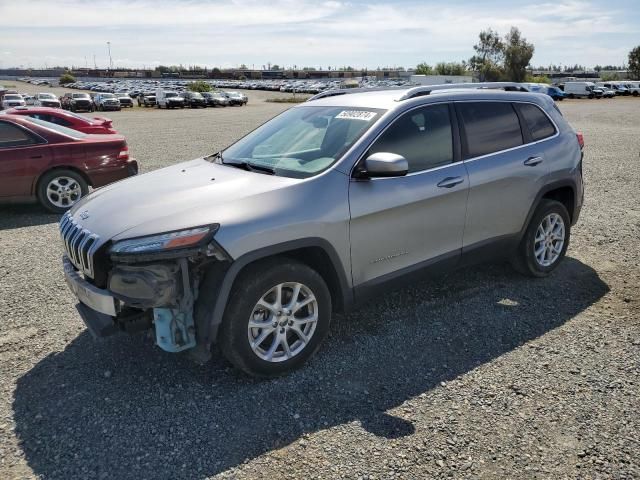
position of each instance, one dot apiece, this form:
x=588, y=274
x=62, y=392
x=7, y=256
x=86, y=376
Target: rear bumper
x=104, y=177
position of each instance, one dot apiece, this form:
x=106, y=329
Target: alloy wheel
x=283, y=322
x=549, y=240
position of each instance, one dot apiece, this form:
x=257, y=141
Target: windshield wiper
x=250, y=167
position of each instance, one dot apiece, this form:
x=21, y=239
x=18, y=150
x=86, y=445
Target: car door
x=21, y=153
x=399, y=224
x=506, y=170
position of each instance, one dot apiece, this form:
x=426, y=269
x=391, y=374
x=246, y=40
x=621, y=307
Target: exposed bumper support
x=90, y=295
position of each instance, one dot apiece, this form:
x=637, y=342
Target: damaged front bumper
x=159, y=296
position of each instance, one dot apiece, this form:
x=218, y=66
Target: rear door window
x=12, y=136
x=489, y=127
x=536, y=121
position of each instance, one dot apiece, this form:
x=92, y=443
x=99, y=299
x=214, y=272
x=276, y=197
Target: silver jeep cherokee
x=333, y=200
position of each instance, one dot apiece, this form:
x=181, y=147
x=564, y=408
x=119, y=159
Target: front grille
x=80, y=244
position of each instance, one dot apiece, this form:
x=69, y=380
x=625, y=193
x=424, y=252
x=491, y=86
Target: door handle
x=36, y=156
x=450, y=182
x=533, y=161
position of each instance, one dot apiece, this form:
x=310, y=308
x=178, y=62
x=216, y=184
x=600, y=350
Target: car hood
x=185, y=195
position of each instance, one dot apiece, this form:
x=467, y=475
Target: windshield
x=80, y=95
x=47, y=96
x=13, y=97
x=59, y=128
x=171, y=94
x=107, y=95
x=303, y=141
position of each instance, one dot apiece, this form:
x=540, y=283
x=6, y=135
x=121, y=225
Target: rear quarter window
x=489, y=127
x=537, y=122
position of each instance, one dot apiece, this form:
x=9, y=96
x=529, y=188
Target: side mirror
x=385, y=164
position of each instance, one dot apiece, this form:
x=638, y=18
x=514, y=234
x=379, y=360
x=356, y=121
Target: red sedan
x=56, y=165
x=66, y=119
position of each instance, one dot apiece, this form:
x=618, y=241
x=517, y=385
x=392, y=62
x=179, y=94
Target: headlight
x=192, y=237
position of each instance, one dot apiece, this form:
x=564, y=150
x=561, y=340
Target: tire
x=261, y=281
x=525, y=259
x=61, y=179
x=571, y=96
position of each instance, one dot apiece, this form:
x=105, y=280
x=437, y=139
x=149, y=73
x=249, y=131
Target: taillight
x=124, y=153
x=580, y=139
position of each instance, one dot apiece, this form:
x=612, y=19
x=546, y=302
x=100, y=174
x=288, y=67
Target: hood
x=185, y=195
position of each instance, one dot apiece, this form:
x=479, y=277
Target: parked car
x=95, y=125
x=236, y=98
x=77, y=102
x=194, y=100
x=125, y=100
x=106, y=101
x=12, y=100
x=215, y=99
x=553, y=92
x=605, y=92
x=633, y=87
x=618, y=89
x=55, y=165
x=47, y=100
x=169, y=99
x=29, y=99
x=219, y=250
x=579, y=89
x=147, y=99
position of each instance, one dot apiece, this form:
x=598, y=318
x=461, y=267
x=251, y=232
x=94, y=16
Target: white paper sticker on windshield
x=357, y=115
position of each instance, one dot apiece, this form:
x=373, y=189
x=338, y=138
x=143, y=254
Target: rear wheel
x=545, y=241
x=276, y=318
x=59, y=190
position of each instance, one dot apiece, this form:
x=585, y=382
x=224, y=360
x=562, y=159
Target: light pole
x=110, y=59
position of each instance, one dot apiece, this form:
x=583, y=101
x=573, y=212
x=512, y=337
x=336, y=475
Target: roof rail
x=423, y=89
x=344, y=91
x=427, y=89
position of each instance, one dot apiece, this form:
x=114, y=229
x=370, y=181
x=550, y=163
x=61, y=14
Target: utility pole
x=110, y=59
x=95, y=65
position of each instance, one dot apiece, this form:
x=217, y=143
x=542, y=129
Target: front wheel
x=59, y=190
x=545, y=241
x=278, y=313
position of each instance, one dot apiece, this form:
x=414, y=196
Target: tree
x=489, y=56
x=66, y=78
x=517, y=55
x=634, y=63
x=199, y=86
x=450, y=68
x=424, y=69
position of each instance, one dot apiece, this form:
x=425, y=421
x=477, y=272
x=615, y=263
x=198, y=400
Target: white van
x=579, y=89
x=169, y=99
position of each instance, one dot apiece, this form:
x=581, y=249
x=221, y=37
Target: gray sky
x=317, y=33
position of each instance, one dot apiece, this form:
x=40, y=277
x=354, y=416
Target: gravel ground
x=480, y=374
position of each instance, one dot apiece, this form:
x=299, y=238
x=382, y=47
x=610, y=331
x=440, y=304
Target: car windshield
x=303, y=141
x=171, y=94
x=107, y=95
x=48, y=96
x=80, y=95
x=59, y=128
x=196, y=95
x=13, y=97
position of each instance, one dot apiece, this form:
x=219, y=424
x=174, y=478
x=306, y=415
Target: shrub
x=199, y=86
x=66, y=78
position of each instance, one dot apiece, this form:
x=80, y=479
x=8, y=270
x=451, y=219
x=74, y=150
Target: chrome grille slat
x=79, y=243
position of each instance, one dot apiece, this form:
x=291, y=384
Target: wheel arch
x=562, y=191
x=36, y=183
x=317, y=253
